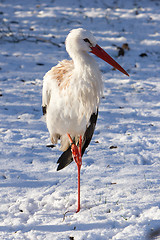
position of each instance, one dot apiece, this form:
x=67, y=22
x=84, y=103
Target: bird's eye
x=87, y=40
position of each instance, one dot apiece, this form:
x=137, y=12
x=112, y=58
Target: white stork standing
x=71, y=96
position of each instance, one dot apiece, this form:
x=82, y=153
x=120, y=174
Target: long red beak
x=99, y=52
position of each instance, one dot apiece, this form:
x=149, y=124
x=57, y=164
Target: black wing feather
x=44, y=109
x=66, y=158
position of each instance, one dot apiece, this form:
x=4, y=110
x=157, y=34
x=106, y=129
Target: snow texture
x=120, y=176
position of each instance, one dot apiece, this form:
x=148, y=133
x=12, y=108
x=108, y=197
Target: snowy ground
x=121, y=168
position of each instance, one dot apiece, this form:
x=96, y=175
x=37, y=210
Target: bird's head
x=81, y=40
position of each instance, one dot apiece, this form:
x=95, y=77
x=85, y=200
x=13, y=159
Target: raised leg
x=77, y=155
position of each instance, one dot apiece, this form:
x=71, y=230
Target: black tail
x=66, y=158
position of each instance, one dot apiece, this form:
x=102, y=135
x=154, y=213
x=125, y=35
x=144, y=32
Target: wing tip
x=65, y=159
x=44, y=109
x=59, y=167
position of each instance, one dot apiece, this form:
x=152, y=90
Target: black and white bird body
x=71, y=96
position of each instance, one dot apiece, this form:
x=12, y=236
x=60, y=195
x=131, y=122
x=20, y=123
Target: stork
x=71, y=96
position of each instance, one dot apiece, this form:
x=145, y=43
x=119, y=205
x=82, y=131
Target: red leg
x=80, y=147
x=77, y=155
x=79, y=169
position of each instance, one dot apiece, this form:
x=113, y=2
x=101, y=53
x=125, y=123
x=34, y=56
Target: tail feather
x=66, y=158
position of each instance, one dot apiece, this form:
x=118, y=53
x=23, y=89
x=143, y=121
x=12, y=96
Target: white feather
x=72, y=90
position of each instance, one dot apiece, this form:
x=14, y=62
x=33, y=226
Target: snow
x=120, y=173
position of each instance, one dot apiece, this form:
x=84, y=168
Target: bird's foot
x=76, y=151
x=76, y=155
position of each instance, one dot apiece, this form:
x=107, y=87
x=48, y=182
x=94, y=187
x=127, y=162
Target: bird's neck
x=87, y=75
x=83, y=61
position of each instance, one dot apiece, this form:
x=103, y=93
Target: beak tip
x=127, y=74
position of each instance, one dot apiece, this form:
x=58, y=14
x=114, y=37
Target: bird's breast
x=71, y=106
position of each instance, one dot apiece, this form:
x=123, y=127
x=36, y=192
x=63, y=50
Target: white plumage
x=72, y=89
x=71, y=96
